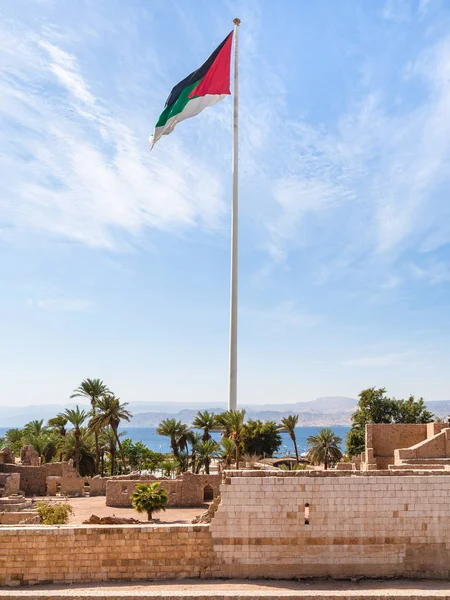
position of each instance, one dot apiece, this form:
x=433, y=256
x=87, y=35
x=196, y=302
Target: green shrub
x=54, y=513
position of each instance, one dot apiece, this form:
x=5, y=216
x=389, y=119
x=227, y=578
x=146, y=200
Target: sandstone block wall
x=32, y=479
x=269, y=524
x=188, y=490
x=383, y=439
x=297, y=526
x=437, y=447
x=68, y=554
x=74, y=485
x=52, y=477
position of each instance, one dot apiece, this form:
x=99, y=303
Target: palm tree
x=205, y=420
x=110, y=411
x=233, y=421
x=289, y=424
x=228, y=451
x=149, y=498
x=58, y=426
x=323, y=448
x=206, y=451
x=194, y=439
x=14, y=439
x=108, y=444
x=176, y=431
x=34, y=428
x=76, y=418
x=85, y=447
x=93, y=389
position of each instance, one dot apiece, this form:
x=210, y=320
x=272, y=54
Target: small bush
x=54, y=513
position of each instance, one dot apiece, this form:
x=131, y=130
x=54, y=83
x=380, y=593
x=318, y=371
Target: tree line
x=91, y=438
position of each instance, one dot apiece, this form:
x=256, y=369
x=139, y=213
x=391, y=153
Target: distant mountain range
x=334, y=410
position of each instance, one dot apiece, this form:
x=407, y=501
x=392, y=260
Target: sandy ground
x=235, y=589
x=85, y=507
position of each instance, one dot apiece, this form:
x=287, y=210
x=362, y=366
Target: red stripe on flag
x=217, y=79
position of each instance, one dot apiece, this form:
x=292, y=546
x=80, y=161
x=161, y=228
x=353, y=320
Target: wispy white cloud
x=77, y=171
x=375, y=182
x=434, y=272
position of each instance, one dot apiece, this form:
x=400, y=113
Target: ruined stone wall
x=69, y=554
x=32, y=479
x=383, y=439
x=186, y=490
x=437, y=447
x=14, y=518
x=339, y=525
x=74, y=485
x=42, y=480
x=269, y=524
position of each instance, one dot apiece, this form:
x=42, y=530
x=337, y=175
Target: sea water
x=159, y=443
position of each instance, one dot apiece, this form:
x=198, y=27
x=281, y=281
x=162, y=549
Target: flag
x=204, y=87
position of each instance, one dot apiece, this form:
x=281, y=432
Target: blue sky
x=114, y=262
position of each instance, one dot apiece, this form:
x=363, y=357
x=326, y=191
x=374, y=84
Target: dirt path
x=85, y=507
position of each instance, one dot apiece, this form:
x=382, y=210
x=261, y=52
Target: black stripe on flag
x=195, y=75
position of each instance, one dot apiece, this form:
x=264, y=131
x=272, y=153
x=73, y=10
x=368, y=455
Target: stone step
x=237, y=590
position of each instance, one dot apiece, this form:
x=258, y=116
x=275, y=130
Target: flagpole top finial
x=237, y=21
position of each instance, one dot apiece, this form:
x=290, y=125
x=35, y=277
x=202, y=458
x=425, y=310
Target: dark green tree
x=375, y=407
x=149, y=499
x=261, y=438
x=14, y=439
x=109, y=413
x=176, y=431
x=289, y=424
x=232, y=424
x=139, y=457
x=324, y=448
x=206, y=421
x=76, y=418
x=93, y=389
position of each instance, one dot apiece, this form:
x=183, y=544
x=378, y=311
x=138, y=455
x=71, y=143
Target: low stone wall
x=65, y=554
x=186, y=490
x=52, y=478
x=271, y=524
x=74, y=485
x=33, y=479
x=14, y=518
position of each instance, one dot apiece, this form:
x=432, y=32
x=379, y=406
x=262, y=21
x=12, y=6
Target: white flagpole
x=232, y=396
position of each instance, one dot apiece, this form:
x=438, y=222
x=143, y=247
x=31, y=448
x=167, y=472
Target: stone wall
x=14, y=518
x=269, y=524
x=187, y=490
x=339, y=525
x=383, y=439
x=68, y=554
x=32, y=479
x=72, y=484
x=54, y=477
x=433, y=449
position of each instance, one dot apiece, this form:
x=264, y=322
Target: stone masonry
x=382, y=440
x=269, y=524
x=186, y=490
x=319, y=525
